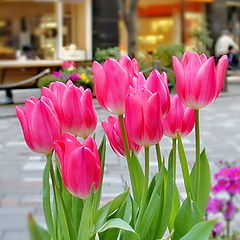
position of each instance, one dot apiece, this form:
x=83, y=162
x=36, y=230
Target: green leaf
x=120, y=224
x=168, y=198
x=77, y=208
x=36, y=231
x=62, y=215
x=205, y=182
x=101, y=215
x=84, y=231
x=200, y=231
x=175, y=207
x=137, y=176
x=184, y=166
x=124, y=213
x=187, y=216
x=46, y=197
x=153, y=207
x=102, y=154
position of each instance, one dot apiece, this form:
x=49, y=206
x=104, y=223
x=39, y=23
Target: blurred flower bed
x=222, y=203
x=80, y=76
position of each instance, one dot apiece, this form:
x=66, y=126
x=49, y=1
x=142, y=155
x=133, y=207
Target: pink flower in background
x=229, y=210
x=75, y=77
x=40, y=124
x=113, y=130
x=131, y=67
x=217, y=229
x=57, y=74
x=68, y=65
x=215, y=205
x=111, y=85
x=144, y=117
x=228, y=179
x=155, y=83
x=199, y=82
x=80, y=164
x=179, y=119
x=74, y=107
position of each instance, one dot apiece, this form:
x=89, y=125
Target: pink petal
x=221, y=73
x=100, y=83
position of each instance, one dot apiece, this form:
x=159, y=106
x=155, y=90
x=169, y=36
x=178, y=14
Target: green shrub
x=102, y=54
x=165, y=53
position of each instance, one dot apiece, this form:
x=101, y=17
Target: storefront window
x=30, y=29
x=154, y=31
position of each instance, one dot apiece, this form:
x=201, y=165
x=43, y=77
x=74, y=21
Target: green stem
x=146, y=167
x=49, y=159
x=174, y=147
x=159, y=156
x=197, y=159
x=145, y=189
x=125, y=139
x=228, y=228
x=126, y=148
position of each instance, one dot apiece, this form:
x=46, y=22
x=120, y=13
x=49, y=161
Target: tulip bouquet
x=143, y=112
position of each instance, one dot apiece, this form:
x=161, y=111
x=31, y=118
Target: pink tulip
x=74, y=107
x=179, y=119
x=68, y=65
x=39, y=124
x=155, y=83
x=199, y=82
x=111, y=85
x=80, y=164
x=144, y=117
x=131, y=67
x=113, y=130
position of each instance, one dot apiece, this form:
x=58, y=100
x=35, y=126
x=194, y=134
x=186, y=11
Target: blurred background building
x=54, y=29
x=74, y=29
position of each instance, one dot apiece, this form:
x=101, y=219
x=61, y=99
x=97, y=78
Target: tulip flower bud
x=113, y=130
x=199, y=81
x=40, y=124
x=80, y=164
x=74, y=107
x=180, y=119
x=144, y=117
x=155, y=83
x=111, y=85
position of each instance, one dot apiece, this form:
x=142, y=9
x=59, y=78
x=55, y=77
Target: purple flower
x=57, y=74
x=215, y=205
x=75, y=77
x=217, y=229
x=228, y=180
x=229, y=210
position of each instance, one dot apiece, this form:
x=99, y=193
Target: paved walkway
x=21, y=169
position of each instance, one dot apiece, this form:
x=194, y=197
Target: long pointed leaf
x=201, y=231
x=187, y=216
x=120, y=224
x=184, y=166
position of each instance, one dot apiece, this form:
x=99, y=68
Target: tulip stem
x=159, y=156
x=124, y=134
x=174, y=147
x=49, y=158
x=197, y=160
x=127, y=152
x=146, y=167
x=145, y=188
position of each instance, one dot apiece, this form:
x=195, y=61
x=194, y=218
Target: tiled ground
x=21, y=169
